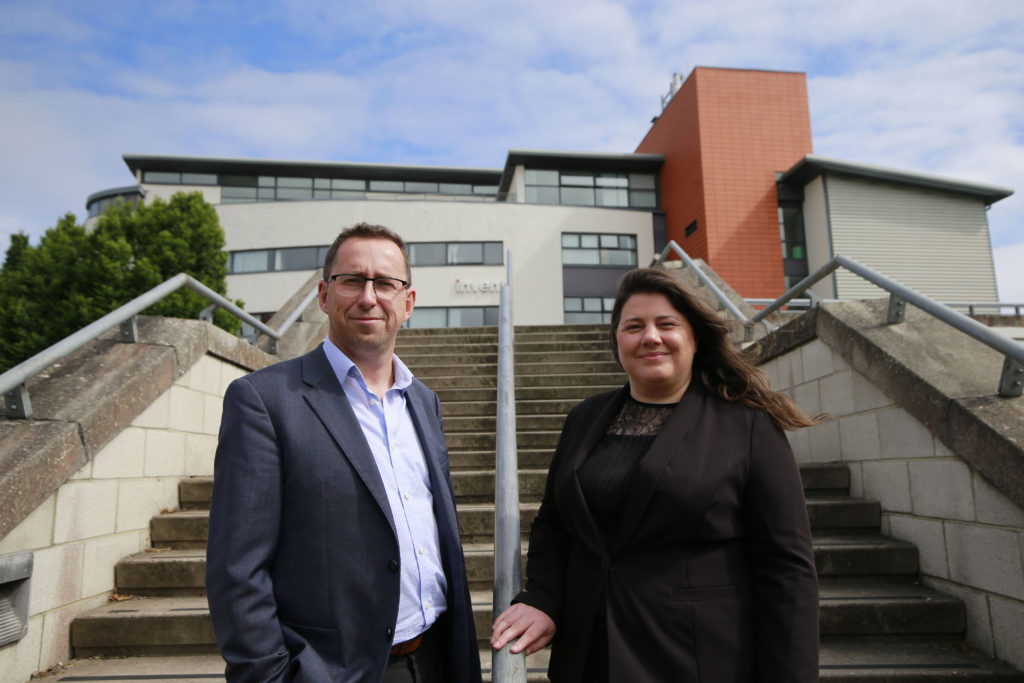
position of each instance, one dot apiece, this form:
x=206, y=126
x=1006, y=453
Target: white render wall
x=102, y=514
x=532, y=232
x=970, y=536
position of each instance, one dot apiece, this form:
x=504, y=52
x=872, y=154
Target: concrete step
x=843, y=513
x=180, y=572
x=478, y=486
x=180, y=669
x=825, y=477
x=866, y=555
x=486, y=355
x=182, y=529
x=490, y=408
x=849, y=608
x=859, y=557
x=531, y=458
x=554, y=364
x=484, y=440
x=476, y=521
x=145, y=626
x=483, y=381
x=478, y=475
x=167, y=573
x=194, y=493
x=932, y=659
x=576, y=392
x=858, y=606
x=484, y=423
x=869, y=659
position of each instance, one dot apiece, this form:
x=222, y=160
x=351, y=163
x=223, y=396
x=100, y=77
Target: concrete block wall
x=102, y=513
x=969, y=535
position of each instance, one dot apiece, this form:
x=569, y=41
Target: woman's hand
x=533, y=627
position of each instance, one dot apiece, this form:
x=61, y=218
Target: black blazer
x=711, y=575
x=302, y=560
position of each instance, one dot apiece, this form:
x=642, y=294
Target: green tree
x=74, y=277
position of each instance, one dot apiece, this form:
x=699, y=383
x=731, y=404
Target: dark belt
x=408, y=647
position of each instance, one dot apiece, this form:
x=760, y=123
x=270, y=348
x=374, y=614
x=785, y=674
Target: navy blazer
x=711, y=575
x=302, y=559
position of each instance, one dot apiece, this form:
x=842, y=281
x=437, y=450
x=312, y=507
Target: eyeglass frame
x=335, y=276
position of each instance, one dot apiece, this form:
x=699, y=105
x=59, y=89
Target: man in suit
x=333, y=551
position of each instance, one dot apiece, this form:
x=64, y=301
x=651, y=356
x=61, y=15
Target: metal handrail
x=705, y=280
x=13, y=382
x=505, y=666
x=1011, y=380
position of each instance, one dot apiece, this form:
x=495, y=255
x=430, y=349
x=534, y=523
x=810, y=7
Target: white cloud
x=911, y=84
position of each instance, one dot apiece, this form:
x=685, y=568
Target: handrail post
x=508, y=581
x=1011, y=380
x=17, y=404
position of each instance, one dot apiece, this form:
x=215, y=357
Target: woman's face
x=656, y=348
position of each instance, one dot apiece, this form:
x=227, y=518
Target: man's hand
x=533, y=627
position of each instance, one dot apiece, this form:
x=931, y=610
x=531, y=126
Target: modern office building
x=726, y=170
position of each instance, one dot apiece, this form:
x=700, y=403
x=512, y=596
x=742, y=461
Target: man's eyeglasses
x=353, y=284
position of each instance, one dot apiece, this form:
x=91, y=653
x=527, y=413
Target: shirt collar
x=344, y=367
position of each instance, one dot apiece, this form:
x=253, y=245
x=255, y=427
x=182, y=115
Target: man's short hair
x=377, y=232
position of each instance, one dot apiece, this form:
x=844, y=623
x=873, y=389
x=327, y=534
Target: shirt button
x=407, y=496
x=393, y=565
x=422, y=550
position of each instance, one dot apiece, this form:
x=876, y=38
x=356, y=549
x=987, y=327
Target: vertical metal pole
x=508, y=580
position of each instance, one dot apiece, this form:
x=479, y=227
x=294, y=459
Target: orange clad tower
x=725, y=134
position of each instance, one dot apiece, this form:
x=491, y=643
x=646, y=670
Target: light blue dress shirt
x=389, y=430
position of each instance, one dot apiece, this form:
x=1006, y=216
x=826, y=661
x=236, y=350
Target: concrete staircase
x=878, y=622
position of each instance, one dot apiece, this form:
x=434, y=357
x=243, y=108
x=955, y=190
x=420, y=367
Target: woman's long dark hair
x=718, y=364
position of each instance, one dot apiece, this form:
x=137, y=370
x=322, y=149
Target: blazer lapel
x=327, y=399
x=670, y=442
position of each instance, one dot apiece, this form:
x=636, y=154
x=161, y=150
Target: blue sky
x=934, y=86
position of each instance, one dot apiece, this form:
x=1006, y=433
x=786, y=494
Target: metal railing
x=705, y=280
x=1011, y=379
x=505, y=666
x=17, y=403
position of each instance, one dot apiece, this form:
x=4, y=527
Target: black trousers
x=428, y=664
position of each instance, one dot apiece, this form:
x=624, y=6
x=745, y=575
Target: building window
x=588, y=309
x=794, y=242
x=455, y=253
x=453, y=316
x=270, y=260
x=100, y=206
x=584, y=188
x=598, y=249
x=244, y=188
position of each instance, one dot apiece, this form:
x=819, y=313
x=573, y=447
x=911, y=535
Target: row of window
x=100, y=206
x=453, y=316
x=455, y=253
x=597, y=249
x=251, y=188
x=578, y=249
x=588, y=309
x=581, y=188
x=420, y=254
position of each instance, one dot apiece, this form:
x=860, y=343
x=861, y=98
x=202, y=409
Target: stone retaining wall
x=969, y=534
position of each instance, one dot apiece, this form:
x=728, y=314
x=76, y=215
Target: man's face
x=364, y=325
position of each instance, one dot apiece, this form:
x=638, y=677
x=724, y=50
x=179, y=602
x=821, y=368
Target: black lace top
x=606, y=473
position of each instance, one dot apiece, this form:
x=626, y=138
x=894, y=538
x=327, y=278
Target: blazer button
x=393, y=565
x=390, y=631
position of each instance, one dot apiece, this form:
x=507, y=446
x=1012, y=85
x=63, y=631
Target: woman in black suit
x=672, y=542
